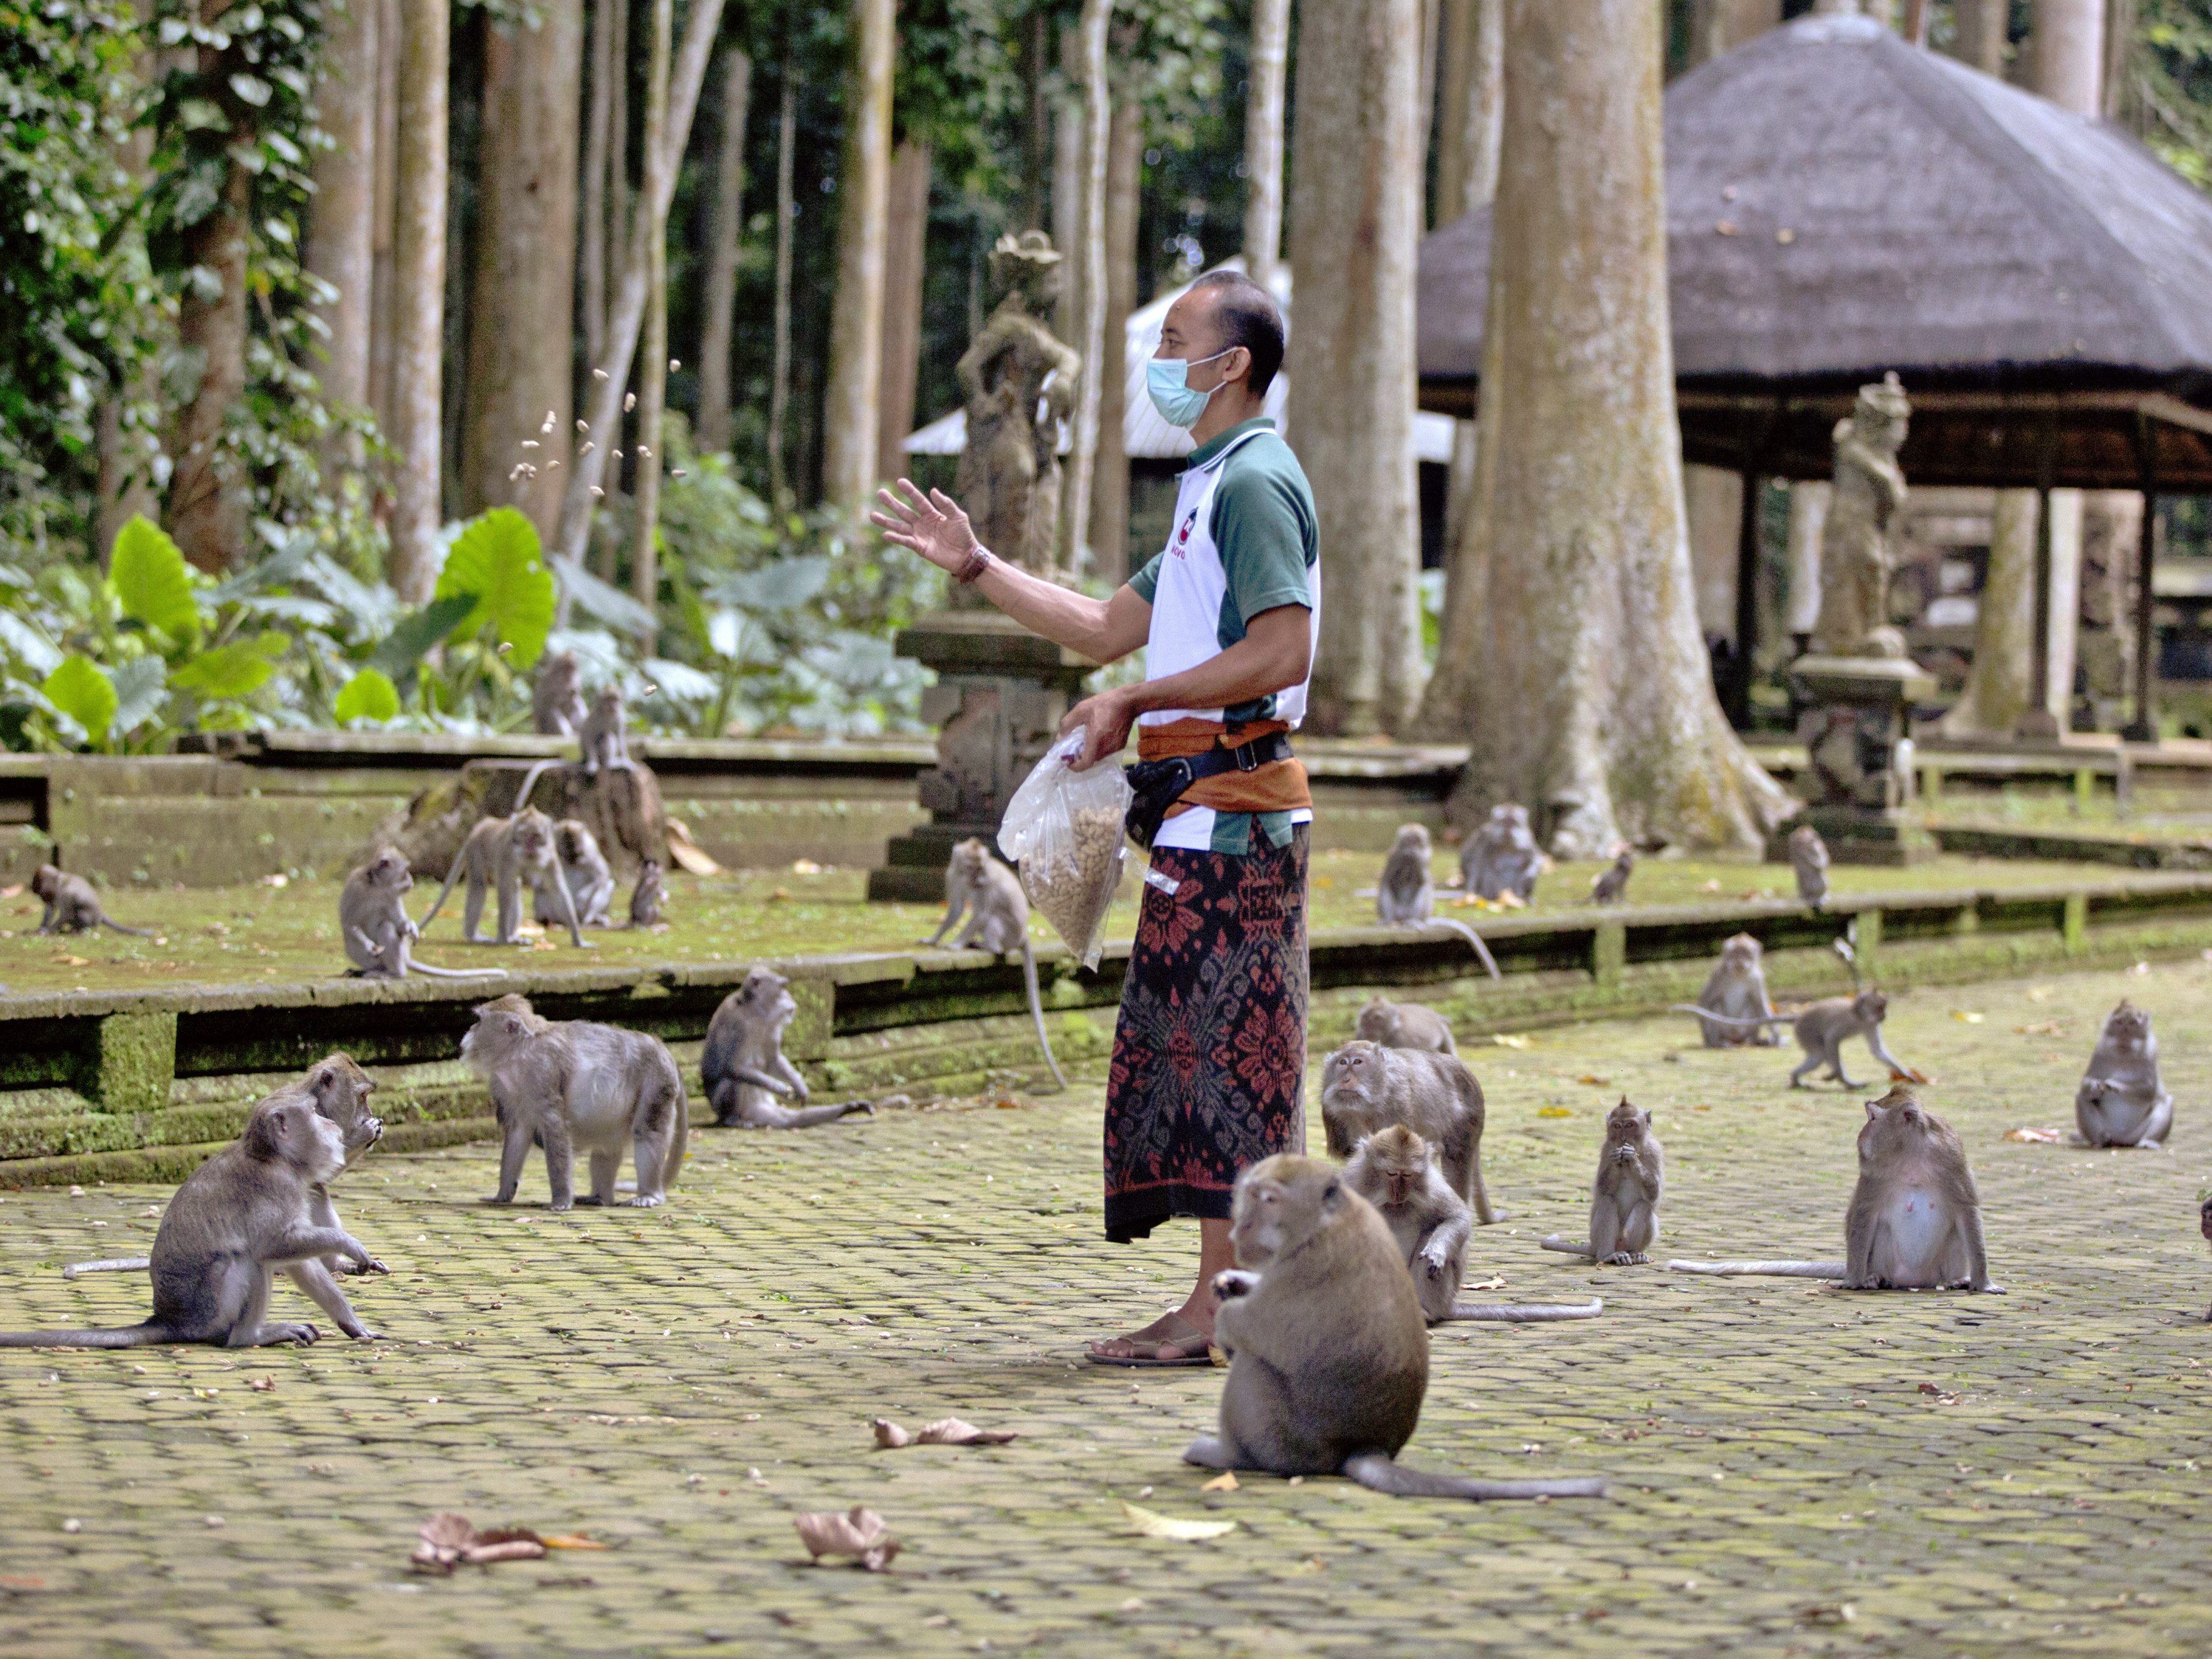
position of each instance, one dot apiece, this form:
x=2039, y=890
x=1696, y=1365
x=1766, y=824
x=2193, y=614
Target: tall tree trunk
x=342, y=226
x=1712, y=506
x=1109, y=488
x=1474, y=49
x=516, y=432
x=1721, y=25
x=418, y=296
x=1997, y=688
x=617, y=194
x=626, y=315
x=852, y=409
x=205, y=514
x=383, y=246
x=1098, y=135
x=125, y=487
x=646, y=462
x=724, y=227
x=1355, y=220
x=1036, y=116
x=1268, y=73
x=906, y=242
x=1576, y=666
x=1978, y=36
x=787, y=209
x=2068, y=52
x=1067, y=191
x=2120, y=23
x=598, y=145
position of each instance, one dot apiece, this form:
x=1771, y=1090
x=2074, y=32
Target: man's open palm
x=932, y=525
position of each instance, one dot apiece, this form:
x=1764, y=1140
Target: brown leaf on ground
x=1149, y=1523
x=262, y=1384
x=2042, y=1027
x=860, y=1532
x=448, y=1540
x=1225, y=1482
x=946, y=1432
x=2024, y=1133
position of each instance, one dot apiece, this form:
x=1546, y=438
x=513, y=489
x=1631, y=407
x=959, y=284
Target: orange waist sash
x=1278, y=787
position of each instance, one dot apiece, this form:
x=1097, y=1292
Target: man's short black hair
x=1247, y=316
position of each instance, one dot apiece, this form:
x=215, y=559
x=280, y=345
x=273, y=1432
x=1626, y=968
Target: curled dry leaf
x=1965, y=1019
x=1508, y=1039
x=1150, y=1523
x=860, y=1532
x=2042, y=1027
x=946, y=1432
x=447, y=1540
x=1493, y=1283
x=1225, y=1482
x=262, y=1384
x=2025, y=1133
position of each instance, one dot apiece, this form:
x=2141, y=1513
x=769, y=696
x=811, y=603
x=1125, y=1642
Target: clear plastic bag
x=1064, y=830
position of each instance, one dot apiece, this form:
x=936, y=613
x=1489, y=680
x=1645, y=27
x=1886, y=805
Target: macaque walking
x=508, y=854
x=1821, y=1030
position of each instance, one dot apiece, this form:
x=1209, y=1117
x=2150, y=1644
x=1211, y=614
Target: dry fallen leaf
x=1509, y=1040
x=74, y=962
x=946, y=1432
x=1965, y=1019
x=860, y=1532
x=2042, y=1027
x=1595, y=1082
x=1911, y=1074
x=262, y=1384
x=1225, y=1482
x=1493, y=1283
x=448, y=1540
x=1149, y=1523
x=1553, y=1111
x=2024, y=1132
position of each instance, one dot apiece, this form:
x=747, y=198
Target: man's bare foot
x=1173, y=1338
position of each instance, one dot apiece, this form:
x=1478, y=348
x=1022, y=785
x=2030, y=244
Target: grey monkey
x=1329, y=1358
x=1501, y=857
x=649, y=896
x=743, y=1065
x=1631, y=1174
x=998, y=921
x=556, y=700
x=606, y=734
x=508, y=854
x=1821, y=1030
x=72, y=905
x=379, y=934
x=1611, y=885
x=573, y=1084
x=2122, y=1101
x=244, y=1212
x=1366, y=1087
x=584, y=872
x=1393, y=1170
x=1407, y=895
x=1809, y=856
x=1405, y=1025
x=1736, y=990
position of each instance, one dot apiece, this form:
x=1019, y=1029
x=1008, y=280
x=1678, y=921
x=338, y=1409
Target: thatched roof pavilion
x=1840, y=204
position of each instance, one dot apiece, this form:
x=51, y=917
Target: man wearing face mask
x=1209, y=1050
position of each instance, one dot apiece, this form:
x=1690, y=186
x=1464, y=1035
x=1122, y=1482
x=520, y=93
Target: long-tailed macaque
x=2122, y=1101
x=1501, y=857
x=1405, y=1025
x=1611, y=885
x=998, y=921
x=584, y=872
x=556, y=700
x=1631, y=1173
x=1736, y=990
x=1406, y=896
x=1366, y=1087
x=1821, y=1030
x=73, y=905
x=508, y=854
x=1808, y=857
x=743, y=1065
x=606, y=734
x=1328, y=1359
x=378, y=932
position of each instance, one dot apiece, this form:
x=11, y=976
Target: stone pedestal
x=1000, y=695
x=1856, y=781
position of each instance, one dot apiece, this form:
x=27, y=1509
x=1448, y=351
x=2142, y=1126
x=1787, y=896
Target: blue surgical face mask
x=1168, y=380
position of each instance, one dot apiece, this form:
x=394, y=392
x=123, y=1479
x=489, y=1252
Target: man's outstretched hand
x=932, y=525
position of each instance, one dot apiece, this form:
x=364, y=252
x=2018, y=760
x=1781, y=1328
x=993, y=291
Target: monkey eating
x=245, y=1211
x=1329, y=1355
x=1611, y=885
x=557, y=700
x=1405, y=1025
x=72, y=905
x=1366, y=1087
x=2122, y=1101
x=583, y=871
x=1393, y=1170
x=1407, y=895
x=605, y=733
x=998, y=922
x=571, y=1084
x=380, y=935
x=1915, y=1221
x=1821, y=1030
x=508, y=854
x=1808, y=857
x=1631, y=1172
x=1501, y=857
x=742, y=1065
x=1736, y=990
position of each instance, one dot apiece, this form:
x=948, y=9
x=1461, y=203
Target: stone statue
x=1019, y=380
x=1856, y=557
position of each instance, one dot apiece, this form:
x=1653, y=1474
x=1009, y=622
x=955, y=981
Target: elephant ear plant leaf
x=368, y=695
x=498, y=562
x=152, y=582
x=234, y=670
x=80, y=689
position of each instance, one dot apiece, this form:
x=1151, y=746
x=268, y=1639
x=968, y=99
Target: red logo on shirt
x=1183, y=535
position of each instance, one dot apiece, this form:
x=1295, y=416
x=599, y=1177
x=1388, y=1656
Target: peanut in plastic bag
x=1064, y=829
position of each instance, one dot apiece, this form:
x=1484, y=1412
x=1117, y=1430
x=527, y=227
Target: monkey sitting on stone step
x=1329, y=1358
x=2122, y=1101
x=570, y=1084
x=1366, y=1087
x=508, y=854
x=1405, y=1025
x=1809, y=856
x=245, y=1211
x=605, y=733
x=1736, y=990
x=72, y=905
x=1631, y=1173
x=1821, y=1030
x=1611, y=885
x=998, y=921
x=1501, y=857
x=1407, y=895
x=584, y=872
x=1392, y=1169
x=1915, y=1221
x=647, y=897
x=379, y=934
x=556, y=700
x=742, y=1065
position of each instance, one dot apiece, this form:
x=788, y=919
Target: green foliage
x=496, y=561
x=367, y=695
x=233, y=671
x=152, y=581
x=2170, y=84
x=81, y=690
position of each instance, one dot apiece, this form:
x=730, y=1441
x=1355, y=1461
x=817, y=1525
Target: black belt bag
x=1158, y=785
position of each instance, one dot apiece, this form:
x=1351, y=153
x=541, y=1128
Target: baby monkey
x=1392, y=1169
x=647, y=897
x=1631, y=1172
x=72, y=906
x=1406, y=896
x=998, y=921
x=1822, y=1030
x=508, y=854
x=1611, y=885
x=1328, y=1359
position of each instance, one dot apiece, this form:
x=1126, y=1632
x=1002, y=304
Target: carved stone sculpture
x=1857, y=556
x=1019, y=380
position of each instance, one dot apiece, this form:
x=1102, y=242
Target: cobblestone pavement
x=679, y=1383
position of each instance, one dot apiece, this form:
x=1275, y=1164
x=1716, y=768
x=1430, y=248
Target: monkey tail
x=530, y=782
x=116, y=927
x=1769, y=1269
x=131, y=1336
x=121, y=1264
x=1729, y=1019
x=1037, y=1010
x=451, y=875
x=1473, y=937
x=1562, y=1243
x=1378, y=1472
x=1533, y=1312
x=454, y=973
